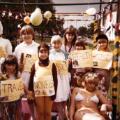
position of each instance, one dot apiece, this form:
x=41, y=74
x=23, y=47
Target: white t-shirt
x=31, y=49
x=6, y=45
x=26, y=49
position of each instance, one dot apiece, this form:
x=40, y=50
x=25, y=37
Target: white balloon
x=47, y=15
x=91, y=11
x=36, y=17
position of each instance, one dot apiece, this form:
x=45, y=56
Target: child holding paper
x=11, y=107
x=103, y=45
x=76, y=72
x=63, y=90
x=43, y=83
x=26, y=53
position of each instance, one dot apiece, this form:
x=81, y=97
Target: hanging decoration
x=36, y=17
x=47, y=15
x=27, y=19
x=91, y=11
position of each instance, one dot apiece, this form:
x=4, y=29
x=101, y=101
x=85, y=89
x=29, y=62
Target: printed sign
x=81, y=58
x=29, y=60
x=12, y=89
x=102, y=59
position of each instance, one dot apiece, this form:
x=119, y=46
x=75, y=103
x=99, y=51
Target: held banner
x=102, y=59
x=44, y=87
x=81, y=58
x=29, y=61
x=12, y=89
x=61, y=67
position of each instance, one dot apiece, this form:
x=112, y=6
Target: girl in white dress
x=63, y=89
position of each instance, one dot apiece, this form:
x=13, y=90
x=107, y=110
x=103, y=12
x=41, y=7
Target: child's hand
x=30, y=95
x=21, y=67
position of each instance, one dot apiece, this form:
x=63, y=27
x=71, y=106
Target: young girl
x=63, y=89
x=84, y=101
x=26, y=52
x=10, y=110
x=103, y=45
x=77, y=73
x=43, y=83
x=69, y=40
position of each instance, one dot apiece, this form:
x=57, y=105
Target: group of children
x=47, y=74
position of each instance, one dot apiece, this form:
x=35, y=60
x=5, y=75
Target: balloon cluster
x=36, y=17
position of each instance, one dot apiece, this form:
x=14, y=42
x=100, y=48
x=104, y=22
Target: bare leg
x=48, y=108
x=40, y=107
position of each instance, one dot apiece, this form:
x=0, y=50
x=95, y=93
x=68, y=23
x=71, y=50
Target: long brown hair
x=70, y=30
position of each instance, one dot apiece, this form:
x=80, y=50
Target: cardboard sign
x=12, y=89
x=102, y=59
x=29, y=60
x=44, y=88
x=62, y=67
x=81, y=58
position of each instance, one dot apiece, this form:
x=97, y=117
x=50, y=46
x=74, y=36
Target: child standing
x=63, y=89
x=26, y=52
x=77, y=73
x=70, y=37
x=103, y=45
x=10, y=110
x=43, y=83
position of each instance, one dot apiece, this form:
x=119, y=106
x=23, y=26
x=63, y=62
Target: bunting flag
x=115, y=78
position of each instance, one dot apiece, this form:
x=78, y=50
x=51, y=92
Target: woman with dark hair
x=43, y=83
x=70, y=37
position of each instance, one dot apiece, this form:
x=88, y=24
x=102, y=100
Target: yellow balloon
x=36, y=17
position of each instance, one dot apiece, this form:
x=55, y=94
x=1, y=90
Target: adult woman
x=43, y=83
x=69, y=40
x=84, y=101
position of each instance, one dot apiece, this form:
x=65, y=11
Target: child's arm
x=30, y=94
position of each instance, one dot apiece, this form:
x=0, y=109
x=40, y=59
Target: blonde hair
x=56, y=38
x=90, y=76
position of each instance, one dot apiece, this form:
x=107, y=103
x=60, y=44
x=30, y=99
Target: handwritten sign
x=102, y=59
x=81, y=58
x=29, y=60
x=44, y=87
x=12, y=89
x=62, y=67
x=2, y=52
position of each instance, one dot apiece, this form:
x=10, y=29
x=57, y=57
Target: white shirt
x=55, y=55
x=6, y=45
x=26, y=49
